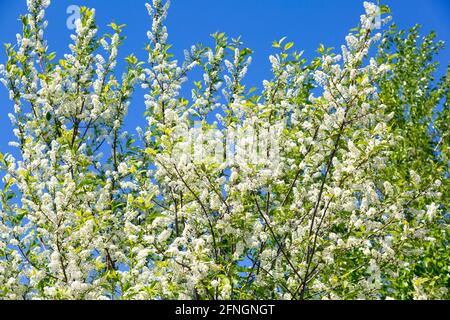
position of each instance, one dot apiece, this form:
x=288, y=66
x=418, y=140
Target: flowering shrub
x=331, y=183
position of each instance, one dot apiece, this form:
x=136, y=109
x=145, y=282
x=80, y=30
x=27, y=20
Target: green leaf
x=51, y=56
x=321, y=49
x=385, y=9
x=113, y=26
x=131, y=59
x=288, y=46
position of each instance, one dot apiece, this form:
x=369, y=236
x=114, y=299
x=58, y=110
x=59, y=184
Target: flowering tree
x=332, y=183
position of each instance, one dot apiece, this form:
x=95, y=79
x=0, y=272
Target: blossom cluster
x=315, y=211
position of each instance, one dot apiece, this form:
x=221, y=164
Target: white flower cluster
x=313, y=211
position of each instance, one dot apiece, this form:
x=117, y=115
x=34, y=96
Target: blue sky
x=306, y=22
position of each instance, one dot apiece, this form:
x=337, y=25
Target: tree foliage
x=330, y=183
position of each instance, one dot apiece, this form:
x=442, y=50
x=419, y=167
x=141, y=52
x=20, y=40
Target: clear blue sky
x=306, y=22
